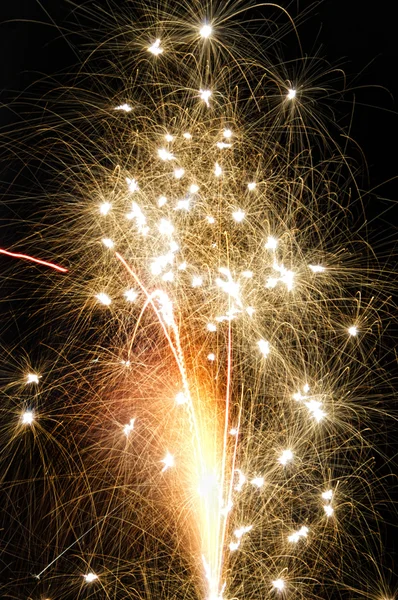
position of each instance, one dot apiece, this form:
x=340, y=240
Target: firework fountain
x=192, y=387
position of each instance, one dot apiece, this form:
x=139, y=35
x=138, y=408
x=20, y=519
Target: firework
x=190, y=397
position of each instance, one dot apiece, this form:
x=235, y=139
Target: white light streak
x=223, y=145
x=241, y=480
x=239, y=533
x=217, y=170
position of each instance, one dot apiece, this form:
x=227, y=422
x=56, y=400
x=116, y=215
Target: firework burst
x=194, y=382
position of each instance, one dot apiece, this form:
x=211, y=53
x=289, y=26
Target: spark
x=183, y=204
x=130, y=295
x=124, y=107
x=315, y=409
x=108, y=243
x=328, y=510
x=233, y=431
x=168, y=137
x=162, y=201
x=165, y=227
x=90, y=577
x=127, y=429
x=205, y=31
x=328, y=495
x=132, y=185
x=250, y=311
x=317, y=268
x=27, y=417
x=227, y=133
x=211, y=357
x=353, y=330
x=197, y=281
x=181, y=398
x=291, y=94
x=211, y=327
x=272, y=243
x=187, y=135
x=104, y=208
x=285, y=457
x=264, y=347
x=210, y=220
x=165, y=154
x=168, y=461
x=241, y=480
x=205, y=95
x=278, y=584
x=193, y=188
x=258, y=482
x=223, y=145
x=239, y=533
x=179, y=173
x=217, y=170
x=251, y=186
x=297, y=535
x=239, y=215
x=32, y=378
x=155, y=49
x=103, y=298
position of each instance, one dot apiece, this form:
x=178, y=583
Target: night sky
x=359, y=37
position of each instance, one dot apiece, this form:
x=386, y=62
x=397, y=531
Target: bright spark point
x=328, y=495
x=197, y=281
x=205, y=31
x=210, y=220
x=124, y=107
x=105, y=207
x=278, y=584
x=223, y=145
x=329, y=510
x=183, y=204
x=217, y=170
x=291, y=94
x=285, y=457
x=193, y=188
x=211, y=327
x=168, y=462
x=317, y=268
x=108, y=243
x=132, y=185
x=165, y=154
x=250, y=311
x=353, y=330
x=251, y=186
x=181, y=398
x=130, y=295
x=162, y=201
x=187, y=135
x=257, y=481
x=247, y=274
x=32, y=378
x=104, y=299
x=211, y=357
x=165, y=227
x=205, y=96
x=168, y=137
x=27, y=417
x=155, y=49
x=227, y=133
x=179, y=173
x=239, y=215
x=315, y=409
x=127, y=429
x=264, y=347
x=234, y=546
x=297, y=535
x=233, y=431
x=239, y=533
x=272, y=243
x=90, y=577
